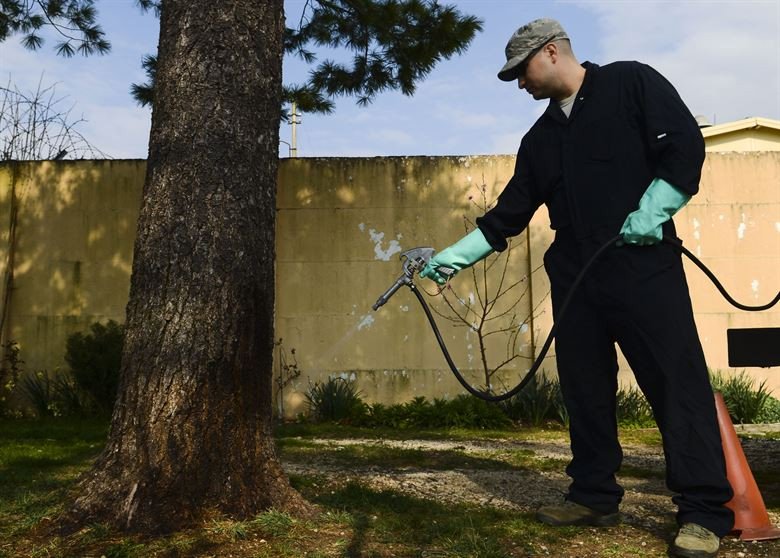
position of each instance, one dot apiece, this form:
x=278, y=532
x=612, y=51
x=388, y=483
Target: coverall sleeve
x=675, y=142
x=515, y=205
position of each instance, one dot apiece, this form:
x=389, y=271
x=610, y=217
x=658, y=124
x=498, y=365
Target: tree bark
x=191, y=431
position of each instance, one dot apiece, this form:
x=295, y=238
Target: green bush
x=633, y=409
x=70, y=399
x=94, y=359
x=538, y=402
x=338, y=400
x=464, y=411
x=335, y=400
x=743, y=399
x=52, y=395
x=770, y=414
x=10, y=372
x=38, y=391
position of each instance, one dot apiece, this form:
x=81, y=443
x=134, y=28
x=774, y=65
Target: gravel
x=646, y=505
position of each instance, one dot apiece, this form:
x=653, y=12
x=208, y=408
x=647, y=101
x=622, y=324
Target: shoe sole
x=609, y=520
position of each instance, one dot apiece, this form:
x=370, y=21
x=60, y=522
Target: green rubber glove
x=659, y=203
x=464, y=253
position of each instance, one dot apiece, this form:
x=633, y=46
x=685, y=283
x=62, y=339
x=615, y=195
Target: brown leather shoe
x=571, y=513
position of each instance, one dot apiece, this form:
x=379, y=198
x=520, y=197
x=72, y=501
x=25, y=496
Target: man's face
x=535, y=74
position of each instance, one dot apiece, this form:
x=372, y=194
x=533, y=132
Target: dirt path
x=647, y=504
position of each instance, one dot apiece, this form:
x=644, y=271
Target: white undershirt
x=567, y=104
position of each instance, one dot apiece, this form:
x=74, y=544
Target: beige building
x=749, y=134
x=68, y=230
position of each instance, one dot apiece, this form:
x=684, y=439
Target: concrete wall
x=72, y=252
x=342, y=224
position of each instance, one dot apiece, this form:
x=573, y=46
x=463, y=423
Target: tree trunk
x=191, y=430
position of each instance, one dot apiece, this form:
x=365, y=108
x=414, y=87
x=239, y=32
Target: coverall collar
x=554, y=111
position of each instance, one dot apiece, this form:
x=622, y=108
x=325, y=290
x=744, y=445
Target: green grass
x=338, y=431
x=39, y=461
x=389, y=457
x=406, y=525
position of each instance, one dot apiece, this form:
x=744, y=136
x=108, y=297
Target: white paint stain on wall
x=743, y=224
x=754, y=285
x=380, y=252
x=366, y=322
x=777, y=227
x=696, y=227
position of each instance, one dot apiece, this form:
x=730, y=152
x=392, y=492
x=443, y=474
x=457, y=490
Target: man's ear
x=551, y=49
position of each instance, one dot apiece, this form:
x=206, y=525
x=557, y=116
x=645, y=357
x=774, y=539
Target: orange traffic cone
x=751, y=520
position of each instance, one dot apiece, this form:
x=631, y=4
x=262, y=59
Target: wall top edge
x=70, y=161
x=290, y=160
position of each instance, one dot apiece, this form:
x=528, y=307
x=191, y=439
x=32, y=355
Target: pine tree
x=191, y=431
x=394, y=43
x=72, y=20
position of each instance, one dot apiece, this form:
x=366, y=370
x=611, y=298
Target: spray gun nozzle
x=414, y=261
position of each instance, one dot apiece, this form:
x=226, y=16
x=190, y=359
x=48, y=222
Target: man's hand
x=659, y=203
x=464, y=253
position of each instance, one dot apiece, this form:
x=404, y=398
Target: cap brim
x=511, y=70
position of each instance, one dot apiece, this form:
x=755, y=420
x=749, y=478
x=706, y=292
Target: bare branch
x=35, y=126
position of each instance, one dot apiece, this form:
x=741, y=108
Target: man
x=616, y=152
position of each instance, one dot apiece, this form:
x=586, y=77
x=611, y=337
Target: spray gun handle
x=447, y=272
x=400, y=282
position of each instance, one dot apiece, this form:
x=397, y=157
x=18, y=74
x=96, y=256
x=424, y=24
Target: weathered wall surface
x=342, y=224
x=72, y=251
x=341, y=228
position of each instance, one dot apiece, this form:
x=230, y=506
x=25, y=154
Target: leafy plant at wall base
x=70, y=399
x=464, y=411
x=536, y=403
x=94, y=359
x=38, y=390
x=633, y=409
x=770, y=414
x=743, y=399
x=287, y=371
x=10, y=371
x=334, y=400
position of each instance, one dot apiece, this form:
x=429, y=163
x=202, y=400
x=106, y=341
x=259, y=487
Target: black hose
x=487, y=396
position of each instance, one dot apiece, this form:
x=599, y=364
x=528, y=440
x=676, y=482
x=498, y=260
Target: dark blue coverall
x=628, y=126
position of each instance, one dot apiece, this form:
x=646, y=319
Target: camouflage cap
x=525, y=40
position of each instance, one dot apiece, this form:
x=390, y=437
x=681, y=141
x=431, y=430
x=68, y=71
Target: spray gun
x=414, y=261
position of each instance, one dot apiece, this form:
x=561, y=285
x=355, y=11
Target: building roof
x=755, y=122
x=747, y=135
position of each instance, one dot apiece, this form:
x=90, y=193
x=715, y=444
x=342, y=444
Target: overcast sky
x=723, y=57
